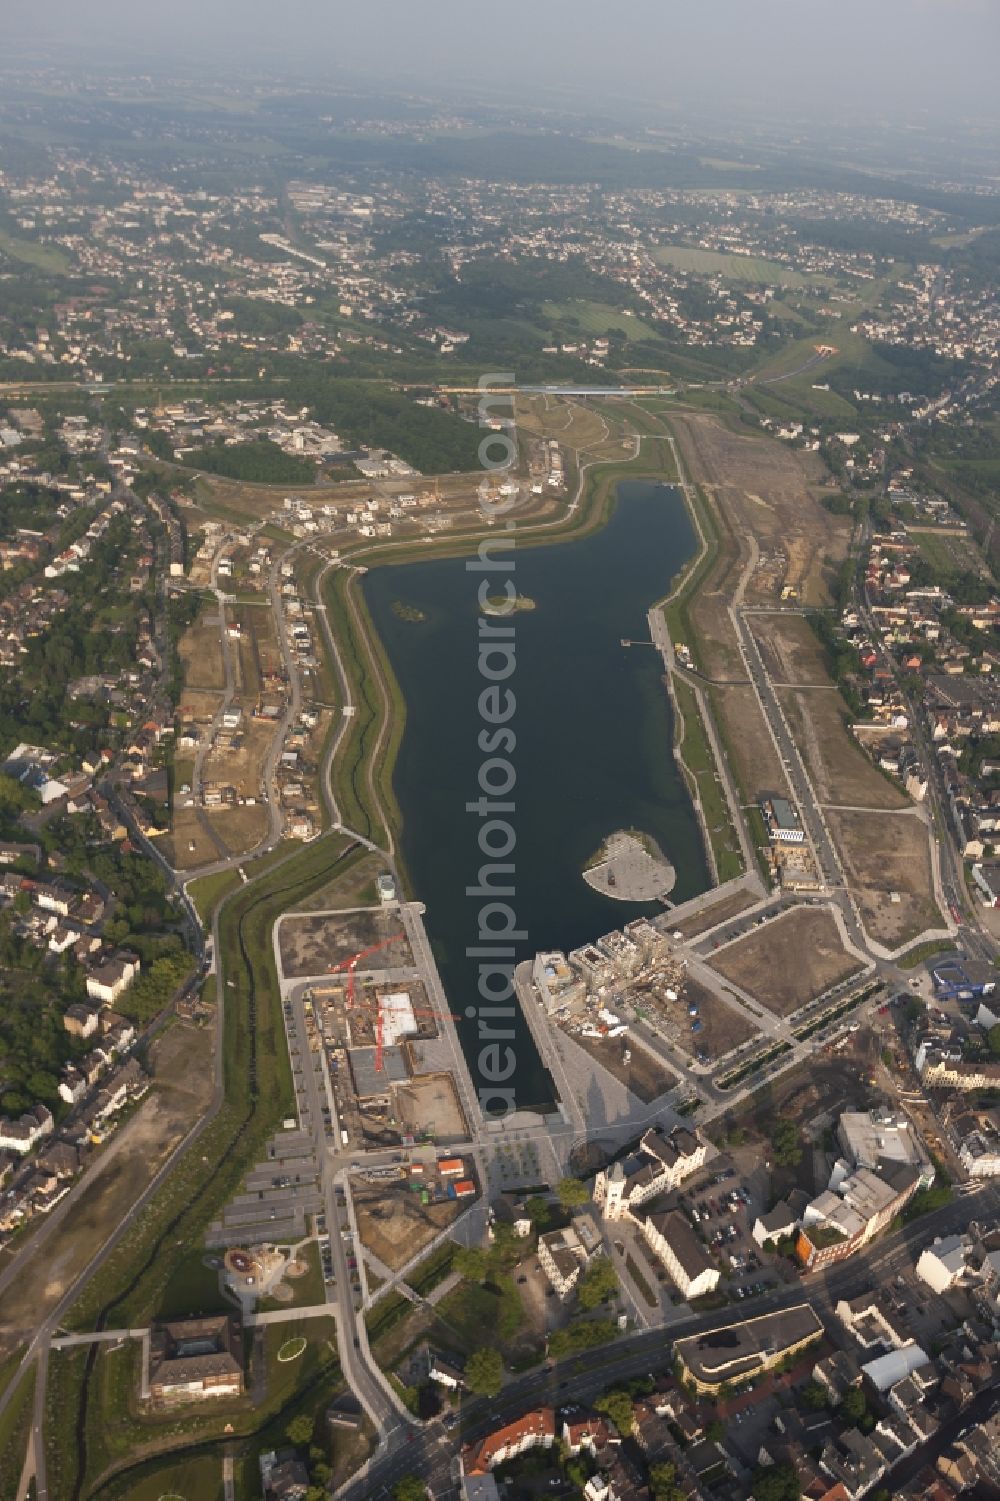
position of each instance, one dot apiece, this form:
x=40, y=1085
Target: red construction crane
x=380, y=1021
x=351, y=963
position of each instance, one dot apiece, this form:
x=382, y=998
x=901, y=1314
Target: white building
x=885, y=1370
x=942, y=1264
x=112, y=979
x=398, y=1020
x=688, y=1264
x=979, y=1154
x=662, y=1163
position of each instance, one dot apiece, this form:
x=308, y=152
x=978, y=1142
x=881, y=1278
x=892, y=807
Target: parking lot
x=722, y=1206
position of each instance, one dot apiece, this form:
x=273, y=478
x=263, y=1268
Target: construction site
x=367, y=1009
x=401, y=1208
x=631, y=980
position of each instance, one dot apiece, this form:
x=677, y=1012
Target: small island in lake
x=408, y=612
x=499, y=604
x=631, y=867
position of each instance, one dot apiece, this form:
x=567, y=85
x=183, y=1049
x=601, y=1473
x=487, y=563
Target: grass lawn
x=433, y=1269
x=208, y=891
x=15, y=1422
x=923, y=951
x=700, y=762
x=745, y=268
x=195, y=1479
x=948, y=553
x=62, y=1400
x=598, y=318
x=307, y=1290
x=31, y=253
x=477, y=1314
x=193, y=1289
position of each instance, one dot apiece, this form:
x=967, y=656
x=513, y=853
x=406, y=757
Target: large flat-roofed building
x=397, y=1018
x=783, y=823
x=191, y=1359
x=371, y=1083
x=735, y=1353
x=873, y=1137
x=688, y=1264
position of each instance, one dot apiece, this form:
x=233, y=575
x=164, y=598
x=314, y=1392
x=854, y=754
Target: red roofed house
x=533, y=1429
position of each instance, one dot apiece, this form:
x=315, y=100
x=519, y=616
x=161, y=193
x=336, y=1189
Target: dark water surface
x=594, y=734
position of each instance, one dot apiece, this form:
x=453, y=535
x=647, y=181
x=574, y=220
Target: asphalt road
x=580, y=1378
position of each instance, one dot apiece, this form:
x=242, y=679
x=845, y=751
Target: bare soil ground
x=839, y=769
x=187, y=830
x=241, y=828
x=748, y=744
x=201, y=704
x=821, y=1086
x=764, y=489
x=722, y=1028
x=242, y=766
x=886, y=853
x=791, y=652
x=181, y=1062
x=311, y=944
x=569, y=422
x=395, y=1225
x=788, y=961
x=709, y=917
x=356, y=888
x=429, y=1102
x=201, y=653
x=643, y=1074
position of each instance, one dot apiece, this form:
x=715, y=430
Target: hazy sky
x=879, y=57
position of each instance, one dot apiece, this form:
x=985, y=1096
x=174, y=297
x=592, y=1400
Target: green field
x=748, y=268
x=597, y=318
x=948, y=554
x=700, y=763
x=31, y=253
x=14, y=1424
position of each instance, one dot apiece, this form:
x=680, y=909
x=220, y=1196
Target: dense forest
x=432, y=440
x=259, y=462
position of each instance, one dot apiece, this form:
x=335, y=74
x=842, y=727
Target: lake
x=593, y=726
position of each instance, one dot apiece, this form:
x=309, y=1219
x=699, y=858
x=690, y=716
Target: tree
x=663, y=1482
x=471, y=1263
x=484, y=1372
x=813, y=1396
x=775, y=1483
x=715, y=1431
x=786, y=1142
x=618, y=1406
x=300, y=1430
x=598, y=1282
x=572, y=1192
x=853, y=1407
x=410, y=1488
x=993, y=1038
x=538, y=1211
